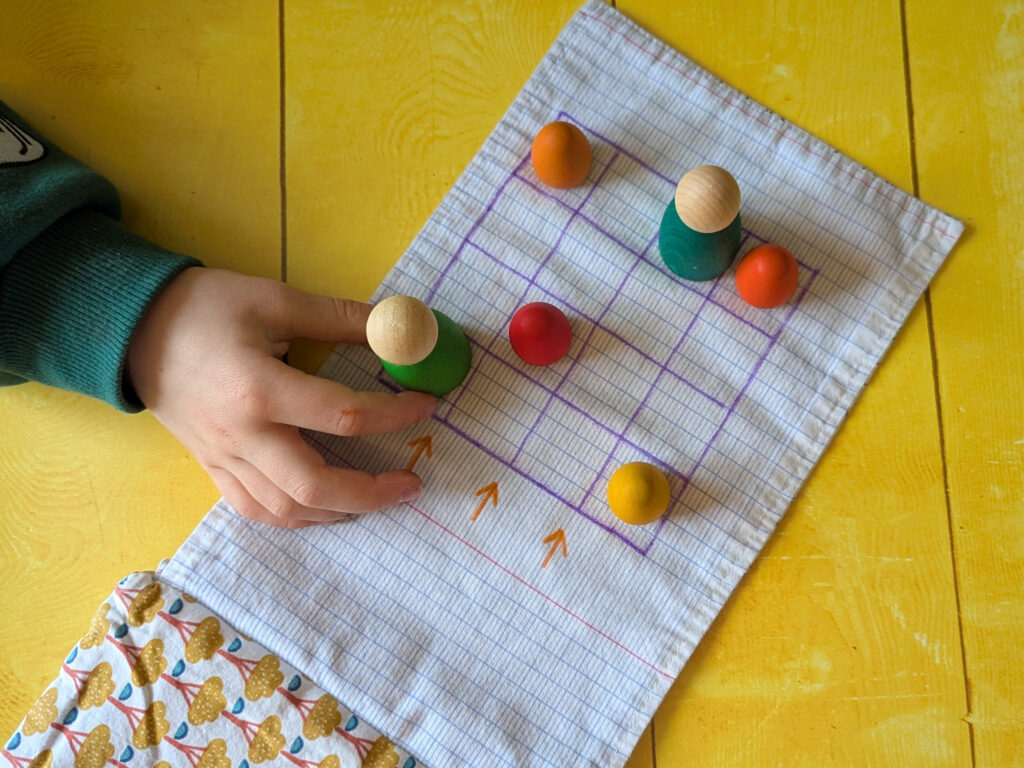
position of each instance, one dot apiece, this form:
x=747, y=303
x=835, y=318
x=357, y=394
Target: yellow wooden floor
x=883, y=623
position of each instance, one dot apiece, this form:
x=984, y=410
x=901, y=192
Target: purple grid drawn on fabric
x=552, y=394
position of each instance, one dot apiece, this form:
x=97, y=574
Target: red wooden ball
x=540, y=333
x=767, y=276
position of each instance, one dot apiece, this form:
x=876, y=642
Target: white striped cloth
x=464, y=627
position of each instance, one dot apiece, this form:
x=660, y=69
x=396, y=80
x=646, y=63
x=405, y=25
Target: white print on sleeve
x=16, y=146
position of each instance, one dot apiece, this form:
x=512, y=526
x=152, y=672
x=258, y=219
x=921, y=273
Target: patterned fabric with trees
x=158, y=680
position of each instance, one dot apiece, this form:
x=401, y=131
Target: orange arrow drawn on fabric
x=557, y=539
x=422, y=445
x=490, y=493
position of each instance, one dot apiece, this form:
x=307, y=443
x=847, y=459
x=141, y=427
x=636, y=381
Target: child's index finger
x=295, y=314
x=311, y=402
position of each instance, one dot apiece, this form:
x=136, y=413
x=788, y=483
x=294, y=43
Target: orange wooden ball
x=767, y=276
x=561, y=155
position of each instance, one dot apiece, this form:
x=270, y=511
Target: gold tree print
x=382, y=754
x=150, y=663
x=204, y=701
x=97, y=686
x=268, y=740
x=213, y=755
x=93, y=685
x=321, y=717
x=264, y=739
x=142, y=604
x=147, y=662
x=43, y=760
x=261, y=677
x=98, y=627
x=152, y=727
x=208, y=703
x=92, y=749
x=43, y=712
x=202, y=638
x=205, y=640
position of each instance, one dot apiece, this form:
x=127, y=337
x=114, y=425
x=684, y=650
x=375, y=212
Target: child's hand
x=206, y=361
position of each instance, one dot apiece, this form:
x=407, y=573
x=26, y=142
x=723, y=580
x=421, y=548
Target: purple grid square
x=610, y=380
x=497, y=411
x=642, y=299
x=541, y=219
x=546, y=455
x=678, y=441
x=591, y=287
x=595, y=504
x=719, y=354
x=473, y=277
x=625, y=203
x=547, y=377
x=768, y=321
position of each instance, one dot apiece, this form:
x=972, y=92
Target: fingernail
x=412, y=492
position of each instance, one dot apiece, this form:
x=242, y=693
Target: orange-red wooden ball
x=561, y=155
x=767, y=276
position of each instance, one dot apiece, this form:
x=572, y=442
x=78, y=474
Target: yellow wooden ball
x=638, y=493
x=401, y=330
x=707, y=199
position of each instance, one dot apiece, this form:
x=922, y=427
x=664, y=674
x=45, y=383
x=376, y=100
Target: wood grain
x=387, y=103
x=967, y=127
x=841, y=646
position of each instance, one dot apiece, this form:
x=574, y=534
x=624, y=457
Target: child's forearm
x=73, y=281
x=86, y=305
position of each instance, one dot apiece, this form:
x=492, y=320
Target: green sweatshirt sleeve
x=74, y=282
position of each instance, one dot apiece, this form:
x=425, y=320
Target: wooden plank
x=968, y=96
x=178, y=105
x=841, y=646
x=386, y=105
